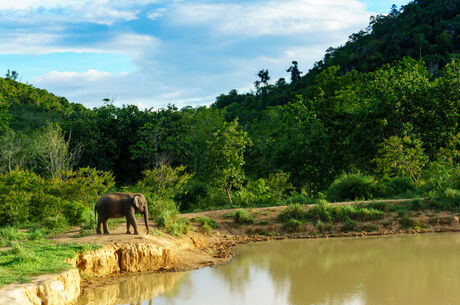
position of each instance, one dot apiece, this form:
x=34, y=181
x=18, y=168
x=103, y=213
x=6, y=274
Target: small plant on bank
x=349, y=225
x=409, y=223
x=293, y=225
x=206, y=224
x=243, y=216
x=293, y=211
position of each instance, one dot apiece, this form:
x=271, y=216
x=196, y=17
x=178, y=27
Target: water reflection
x=135, y=290
x=422, y=269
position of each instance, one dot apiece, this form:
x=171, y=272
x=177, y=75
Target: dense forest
x=377, y=117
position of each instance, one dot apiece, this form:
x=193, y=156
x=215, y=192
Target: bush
x=293, y=225
x=400, y=185
x=321, y=212
x=328, y=213
x=166, y=182
x=351, y=187
x=293, y=211
x=26, y=198
x=206, y=224
x=242, y=216
x=449, y=200
x=193, y=195
x=76, y=213
x=349, y=225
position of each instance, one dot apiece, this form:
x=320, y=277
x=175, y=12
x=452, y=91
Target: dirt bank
x=124, y=255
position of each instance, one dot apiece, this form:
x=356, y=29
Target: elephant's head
x=140, y=205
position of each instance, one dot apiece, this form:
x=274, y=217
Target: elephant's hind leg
x=106, y=229
x=99, y=225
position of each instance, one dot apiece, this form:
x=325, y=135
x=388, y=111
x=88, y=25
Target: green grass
x=206, y=224
x=29, y=258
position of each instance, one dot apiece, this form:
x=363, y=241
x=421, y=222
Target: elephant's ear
x=136, y=202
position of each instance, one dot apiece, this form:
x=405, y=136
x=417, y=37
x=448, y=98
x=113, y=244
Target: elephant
x=116, y=205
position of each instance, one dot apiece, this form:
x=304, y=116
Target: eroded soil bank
x=124, y=255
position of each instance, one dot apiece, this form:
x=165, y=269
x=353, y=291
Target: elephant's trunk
x=146, y=219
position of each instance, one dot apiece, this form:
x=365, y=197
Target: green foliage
x=331, y=213
x=26, y=198
x=206, y=224
x=352, y=187
x=399, y=185
x=293, y=211
x=166, y=215
x=409, y=223
x=243, y=216
x=401, y=157
x=27, y=259
x=164, y=181
x=227, y=156
x=349, y=225
x=293, y=225
x=448, y=200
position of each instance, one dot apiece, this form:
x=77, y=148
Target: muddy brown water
x=411, y=269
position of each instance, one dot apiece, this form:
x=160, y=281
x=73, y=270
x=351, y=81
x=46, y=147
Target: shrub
x=400, y=185
x=449, y=200
x=409, y=223
x=293, y=225
x=166, y=182
x=293, y=211
x=351, y=187
x=350, y=225
x=206, y=224
x=193, y=194
x=242, y=216
x=321, y=212
x=76, y=213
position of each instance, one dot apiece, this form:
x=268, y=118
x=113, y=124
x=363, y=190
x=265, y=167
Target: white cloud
x=37, y=44
x=95, y=11
x=159, y=12
x=272, y=17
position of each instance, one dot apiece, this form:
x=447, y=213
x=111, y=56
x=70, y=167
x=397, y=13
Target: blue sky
x=154, y=52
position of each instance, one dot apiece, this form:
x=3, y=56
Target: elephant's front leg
x=130, y=219
x=127, y=226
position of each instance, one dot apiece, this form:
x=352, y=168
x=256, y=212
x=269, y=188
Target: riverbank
x=124, y=255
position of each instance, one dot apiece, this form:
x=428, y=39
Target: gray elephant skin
x=116, y=205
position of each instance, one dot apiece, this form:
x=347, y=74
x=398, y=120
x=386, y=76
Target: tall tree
x=227, y=156
x=295, y=72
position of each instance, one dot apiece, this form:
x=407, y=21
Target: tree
x=295, y=72
x=264, y=78
x=54, y=150
x=227, y=156
x=401, y=157
x=12, y=151
x=11, y=75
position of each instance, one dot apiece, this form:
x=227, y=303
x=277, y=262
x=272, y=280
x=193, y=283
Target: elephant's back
x=114, y=204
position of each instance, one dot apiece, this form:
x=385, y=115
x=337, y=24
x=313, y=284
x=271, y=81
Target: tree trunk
x=228, y=195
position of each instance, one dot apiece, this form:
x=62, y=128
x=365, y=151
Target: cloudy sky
x=154, y=52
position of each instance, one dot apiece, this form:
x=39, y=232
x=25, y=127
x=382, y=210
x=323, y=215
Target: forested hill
x=30, y=107
x=426, y=30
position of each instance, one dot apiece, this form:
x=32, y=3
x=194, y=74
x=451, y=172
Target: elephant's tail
x=95, y=206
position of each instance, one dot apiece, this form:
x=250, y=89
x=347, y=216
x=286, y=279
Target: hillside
x=425, y=30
